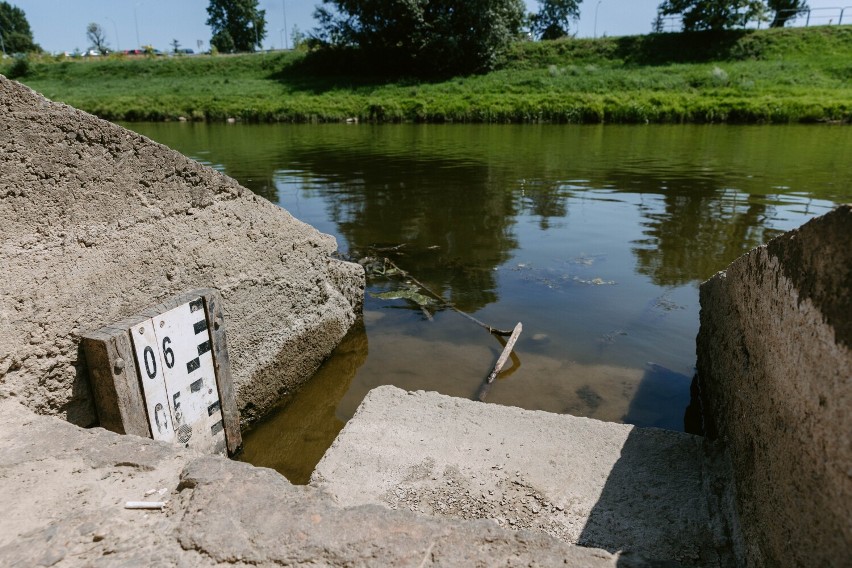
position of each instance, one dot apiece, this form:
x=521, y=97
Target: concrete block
x=100, y=223
x=775, y=370
x=583, y=481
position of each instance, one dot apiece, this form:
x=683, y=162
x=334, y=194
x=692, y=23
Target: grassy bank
x=791, y=75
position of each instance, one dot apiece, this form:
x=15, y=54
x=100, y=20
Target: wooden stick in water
x=504, y=356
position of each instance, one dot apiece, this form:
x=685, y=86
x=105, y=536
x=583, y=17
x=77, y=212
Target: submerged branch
x=396, y=270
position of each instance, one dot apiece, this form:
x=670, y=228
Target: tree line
x=426, y=36
x=468, y=36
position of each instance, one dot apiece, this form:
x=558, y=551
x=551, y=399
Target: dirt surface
x=100, y=223
x=606, y=485
x=64, y=491
x=775, y=365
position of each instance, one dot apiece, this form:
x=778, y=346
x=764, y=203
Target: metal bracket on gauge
x=165, y=374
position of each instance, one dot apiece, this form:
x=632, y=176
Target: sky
x=60, y=25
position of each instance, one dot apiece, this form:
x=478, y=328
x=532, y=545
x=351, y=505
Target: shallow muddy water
x=595, y=237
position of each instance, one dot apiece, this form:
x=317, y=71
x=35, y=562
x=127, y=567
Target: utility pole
x=115, y=27
x=136, y=22
x=284, y=11
x=596, y=18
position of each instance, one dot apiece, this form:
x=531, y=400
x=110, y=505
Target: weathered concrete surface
x=775, y=369
x=99, y=223
x=64, y=490
x=612, y=486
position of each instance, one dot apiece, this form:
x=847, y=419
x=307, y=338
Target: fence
x=837, y=16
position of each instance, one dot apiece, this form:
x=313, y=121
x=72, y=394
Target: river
x=595, y=237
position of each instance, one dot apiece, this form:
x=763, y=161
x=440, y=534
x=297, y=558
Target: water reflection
x=453, y=216
x=687, y=231
x=293, y=441
x=595, y=237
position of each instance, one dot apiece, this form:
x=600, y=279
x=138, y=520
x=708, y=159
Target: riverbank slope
x=745, y=76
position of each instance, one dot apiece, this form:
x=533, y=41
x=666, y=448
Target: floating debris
x=610, y=337
x=666, y=304
x=595, y=281
x=405, y=294
x=587, y=260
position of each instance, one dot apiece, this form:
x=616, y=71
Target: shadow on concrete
x=80, y=410
x=653, y=504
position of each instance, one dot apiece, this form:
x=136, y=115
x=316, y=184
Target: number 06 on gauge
x=180, y=382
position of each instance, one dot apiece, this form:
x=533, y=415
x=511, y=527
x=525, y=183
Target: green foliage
x=97, y=38
x=786, y=10
x=237, y=25
x=553, y=18
x=15, y=30
x=772, y=76
x=20, y=68
x=713, y=14
x=297, y=38
x=423, y=36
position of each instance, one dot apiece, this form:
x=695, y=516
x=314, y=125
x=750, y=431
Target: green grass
x=770, y=76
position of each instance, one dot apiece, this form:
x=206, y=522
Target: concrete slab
x=64, y=491
x=612, y=486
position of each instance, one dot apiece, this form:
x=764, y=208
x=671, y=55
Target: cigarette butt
x=144, y=504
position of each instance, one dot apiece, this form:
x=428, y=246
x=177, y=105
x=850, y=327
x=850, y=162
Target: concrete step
x=612, y=486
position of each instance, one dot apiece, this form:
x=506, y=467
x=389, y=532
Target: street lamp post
x=596, y=18
x=136, y=23
x=115, y=27
x=284, y=11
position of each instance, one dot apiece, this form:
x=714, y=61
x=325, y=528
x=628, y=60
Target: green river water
x=595, y=237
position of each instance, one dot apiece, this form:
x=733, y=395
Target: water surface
x=595, y=237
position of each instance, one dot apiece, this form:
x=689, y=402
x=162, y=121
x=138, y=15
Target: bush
x=20, y=68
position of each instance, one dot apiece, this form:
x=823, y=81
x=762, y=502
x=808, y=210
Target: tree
x=97, y=38
x=553, y=18
x=237, y=25
x=175, y=46
x=423, y=36
x=15, y=30
x=297, y=38
x=713, y=14
x=786, y=10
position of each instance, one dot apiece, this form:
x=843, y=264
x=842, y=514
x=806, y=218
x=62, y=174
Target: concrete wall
x=775, y=369
x=99, y=223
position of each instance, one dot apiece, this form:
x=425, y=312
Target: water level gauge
x=164, y=373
